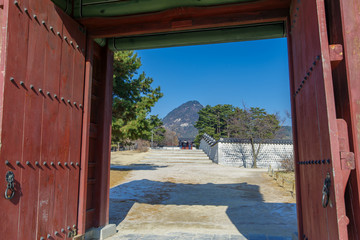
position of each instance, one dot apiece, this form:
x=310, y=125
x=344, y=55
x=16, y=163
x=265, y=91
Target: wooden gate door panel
x=31, y=139
x=12, y=98
x=41, y=119
x=76, y=123
x=316, y=123
x=50, y=148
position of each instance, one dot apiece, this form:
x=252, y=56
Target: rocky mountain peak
x=183, y=118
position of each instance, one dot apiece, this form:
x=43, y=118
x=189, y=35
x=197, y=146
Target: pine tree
x=133, y=98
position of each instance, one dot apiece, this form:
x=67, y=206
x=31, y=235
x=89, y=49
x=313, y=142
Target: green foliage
x=214, y=121
x=133, y=98
x=155, y=121
x=157, y=130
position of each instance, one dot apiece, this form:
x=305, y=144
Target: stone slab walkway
x=182, y=236
x=198, y=201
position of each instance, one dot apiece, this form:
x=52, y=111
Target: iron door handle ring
x=326, y=191
x=9, y=177
x=325, y=198
x=11, y=188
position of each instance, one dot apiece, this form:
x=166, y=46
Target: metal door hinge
x=347, y=160
x=336, y=54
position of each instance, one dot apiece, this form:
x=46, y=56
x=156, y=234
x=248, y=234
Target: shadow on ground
x=133, y=167
x=246, y=208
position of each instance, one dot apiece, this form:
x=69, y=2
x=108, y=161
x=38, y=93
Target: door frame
x=103, y=169
x=168, y=22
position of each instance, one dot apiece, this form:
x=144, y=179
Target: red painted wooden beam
x=295, y=134
x=85, y=138
x=106, y=142
x=188, y=18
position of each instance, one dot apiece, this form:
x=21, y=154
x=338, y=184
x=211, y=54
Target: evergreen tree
x=133, y=98
x=157, y=131
x=214, y=121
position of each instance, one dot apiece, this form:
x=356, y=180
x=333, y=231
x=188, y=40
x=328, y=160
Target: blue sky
x=255, y=73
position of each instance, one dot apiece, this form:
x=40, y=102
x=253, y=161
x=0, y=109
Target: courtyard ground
x=151, y=198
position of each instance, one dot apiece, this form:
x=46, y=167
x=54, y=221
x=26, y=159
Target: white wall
x=210, y=150
x=240, y=154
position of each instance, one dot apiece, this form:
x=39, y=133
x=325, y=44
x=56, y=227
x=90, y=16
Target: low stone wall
x=237, y=152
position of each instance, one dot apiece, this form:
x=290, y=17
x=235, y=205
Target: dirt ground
x=123, y=158
x=286, y=180
x=133, y=158
x=127, y=157
x=152, y=199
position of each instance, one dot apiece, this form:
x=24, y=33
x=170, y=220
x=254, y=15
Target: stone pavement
x=184, y=236
x=185, y=199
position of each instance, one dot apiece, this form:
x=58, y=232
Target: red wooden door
x=323, y=156
x=41, y=93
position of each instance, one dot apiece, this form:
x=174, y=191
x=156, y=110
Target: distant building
x=186, y=143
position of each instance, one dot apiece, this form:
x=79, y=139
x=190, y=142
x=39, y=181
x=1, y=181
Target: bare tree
x=170, y=138
x=287, y=162
x=256, y=125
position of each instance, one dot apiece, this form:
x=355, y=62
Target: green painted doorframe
x=104, y=11
x=208, y=36
x=116, y=8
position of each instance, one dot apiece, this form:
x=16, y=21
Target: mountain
x=285, y=132
x=183, y=118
